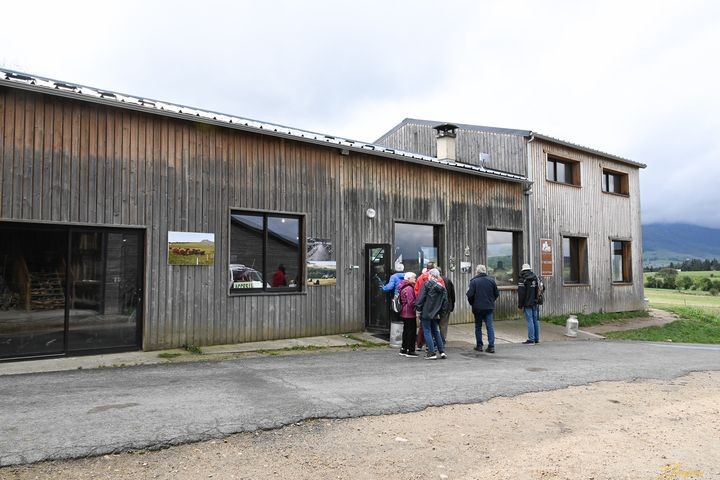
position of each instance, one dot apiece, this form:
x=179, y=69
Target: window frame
x=266, y=265
x=577, y=244
x=517, y=242
x=623, y=181
x=626, y=261
x=573, y=165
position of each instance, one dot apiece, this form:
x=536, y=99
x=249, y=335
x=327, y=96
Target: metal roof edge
x=30, y=82
x=575, y=146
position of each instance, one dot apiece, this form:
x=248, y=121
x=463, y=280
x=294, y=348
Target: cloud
x=635, y=79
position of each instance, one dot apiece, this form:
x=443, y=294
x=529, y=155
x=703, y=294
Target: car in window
x=244, y=277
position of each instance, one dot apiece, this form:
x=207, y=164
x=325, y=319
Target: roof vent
x=446, y=147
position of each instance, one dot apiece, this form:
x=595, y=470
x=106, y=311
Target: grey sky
x=633, y=78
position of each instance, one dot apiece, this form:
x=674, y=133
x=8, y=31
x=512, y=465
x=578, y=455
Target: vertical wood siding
x=74, y=162
x=508, y=152
x=587, y=212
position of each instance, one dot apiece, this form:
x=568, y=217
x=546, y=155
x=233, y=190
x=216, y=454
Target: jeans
x=444, y=322
x=487, y=317
x=532, y=317
x=431, y=330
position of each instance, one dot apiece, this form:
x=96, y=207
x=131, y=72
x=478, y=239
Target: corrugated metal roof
x=70, y=90
x=509, y=131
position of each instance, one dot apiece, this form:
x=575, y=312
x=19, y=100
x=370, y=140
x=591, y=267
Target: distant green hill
x=676, y=242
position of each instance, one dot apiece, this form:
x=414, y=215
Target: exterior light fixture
x=370, y=213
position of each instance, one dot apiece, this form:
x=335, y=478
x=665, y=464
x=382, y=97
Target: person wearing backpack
x=530, y=294
x=392, y=286
x=407, y=315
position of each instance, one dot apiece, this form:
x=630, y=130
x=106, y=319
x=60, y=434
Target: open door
x=377, y=274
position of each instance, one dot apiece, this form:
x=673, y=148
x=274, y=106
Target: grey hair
x=480, y=269
x=410, y=275
x=434, y=273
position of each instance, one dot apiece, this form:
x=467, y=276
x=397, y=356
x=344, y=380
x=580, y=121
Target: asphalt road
x=92, y=412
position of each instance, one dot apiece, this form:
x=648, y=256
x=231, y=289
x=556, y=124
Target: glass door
x=104, y=290
x=377, y=274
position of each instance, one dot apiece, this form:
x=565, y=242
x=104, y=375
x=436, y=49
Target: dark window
x=621, y=264
x=563, y=171
x=416, y=245
x=614, y=182
x=502, y=248
x=575, y=260
x=265, y=252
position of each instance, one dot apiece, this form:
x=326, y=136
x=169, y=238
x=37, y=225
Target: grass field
x=664, y=299
x=693, y=275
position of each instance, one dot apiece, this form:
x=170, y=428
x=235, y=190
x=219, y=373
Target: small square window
x=615, y=182
x=563, y=171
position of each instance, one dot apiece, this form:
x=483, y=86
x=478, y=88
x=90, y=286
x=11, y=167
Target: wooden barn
x=130, y=223
x=583, y=231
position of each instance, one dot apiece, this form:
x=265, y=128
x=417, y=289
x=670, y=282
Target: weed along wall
x=172, y=226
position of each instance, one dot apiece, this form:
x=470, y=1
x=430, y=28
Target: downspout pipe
x=527, y=191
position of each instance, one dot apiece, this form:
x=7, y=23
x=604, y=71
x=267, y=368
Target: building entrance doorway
x=69, y=290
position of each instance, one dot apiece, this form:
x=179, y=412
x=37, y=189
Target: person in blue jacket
x=395, y=280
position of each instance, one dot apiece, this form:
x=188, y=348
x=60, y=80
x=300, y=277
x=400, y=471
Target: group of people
x=428, y=300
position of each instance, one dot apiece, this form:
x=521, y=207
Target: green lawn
x=665, y=299
x=590, y=319
x=696, y=325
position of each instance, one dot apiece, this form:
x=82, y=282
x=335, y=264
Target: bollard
x=571, y=326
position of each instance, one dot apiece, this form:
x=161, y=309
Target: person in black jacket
x=527, y=301
x=431, y=303
x=445, y=317
x=481, y=295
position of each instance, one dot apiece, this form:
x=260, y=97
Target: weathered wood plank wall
x=508, y=152
x=68, y=161
x=587, y=211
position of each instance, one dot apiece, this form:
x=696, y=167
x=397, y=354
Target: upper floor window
x=621, y=261
x=615, y=182
x=575, y=260
x=563, y=171
x=265, y=252
x=502, y=248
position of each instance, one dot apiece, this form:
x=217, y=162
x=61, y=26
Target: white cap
x=525, y=267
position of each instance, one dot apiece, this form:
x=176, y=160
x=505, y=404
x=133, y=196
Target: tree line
x=670, y=278
x=694, y=265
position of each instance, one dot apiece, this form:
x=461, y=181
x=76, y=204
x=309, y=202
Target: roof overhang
x=83, y=93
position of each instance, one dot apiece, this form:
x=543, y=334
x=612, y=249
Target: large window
x=615, y=182
x=575, y=260
x=265, y=252
x=621, y=261
x=563, y=171
x=502, y=248
x=416, y=245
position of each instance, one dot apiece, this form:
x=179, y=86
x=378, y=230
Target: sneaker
x=412, y=355
x=443, y=356
x=490, y=349
x=537, y=341
x=402, y=353
x=529, y=342
x=430, y=356
x=478, y=349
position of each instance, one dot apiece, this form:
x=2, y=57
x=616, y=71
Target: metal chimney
x=446, y=141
